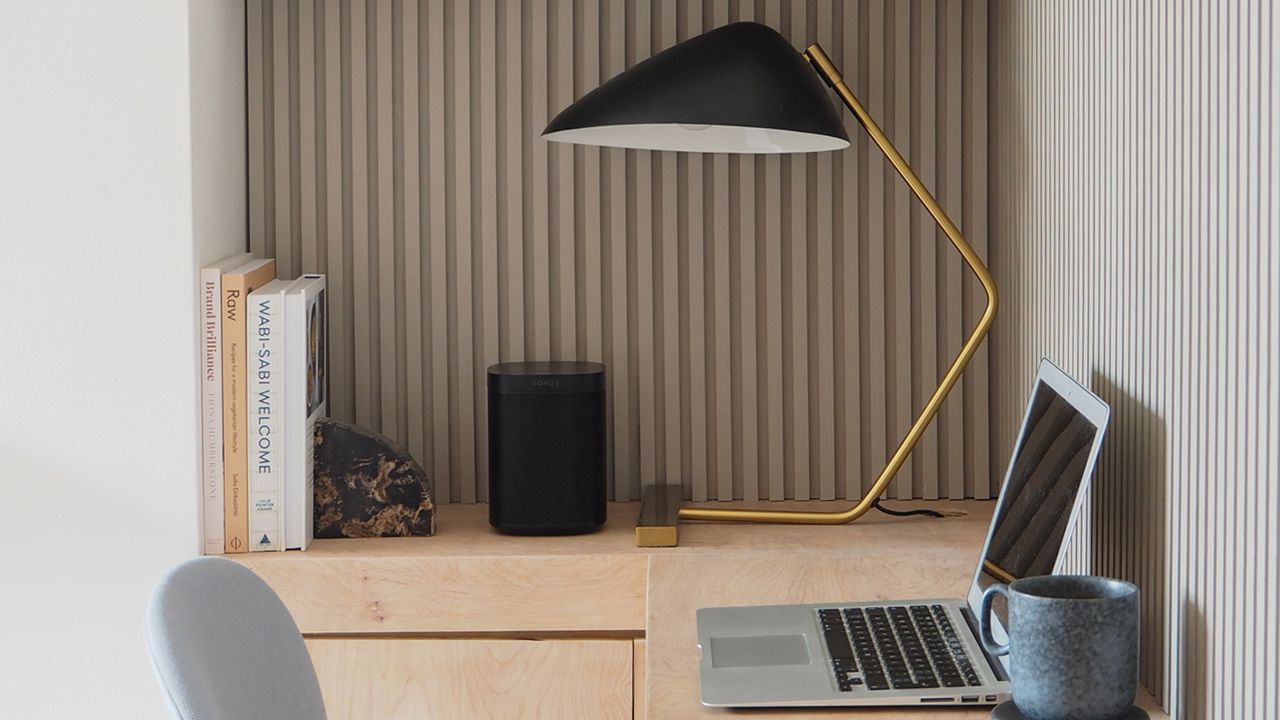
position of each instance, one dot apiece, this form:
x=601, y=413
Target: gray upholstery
x=226, y=648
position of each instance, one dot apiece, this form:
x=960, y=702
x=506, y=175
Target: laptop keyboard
x=895, y=647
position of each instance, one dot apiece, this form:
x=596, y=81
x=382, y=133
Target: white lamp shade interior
x=699, y=138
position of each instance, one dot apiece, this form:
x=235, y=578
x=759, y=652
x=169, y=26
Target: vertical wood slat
x=512, y=197
x=385, y=247
x=950, y=177
x=695, y=305
x=363, y=280
x=308, y=144
x=332, y=224
x=1137, y=246
x=898, y=276
x=669, y=291
x=874, y=297
x=640, y=174
x=446, y=485
x=850, y=286
x=623, y=428
x=718, y=243
x=281, y=162
x=775, y=430
x=463, y=374
x=924, y=261
x=823, y=383
x=747, y=391
x=489, y=216
x=587, y=76
x=415, y=319
x=976, y=405
x=739, y=302
x=796, y=302
x=564, y=232
x=257, y=86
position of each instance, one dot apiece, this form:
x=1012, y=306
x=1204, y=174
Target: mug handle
x=984, y=619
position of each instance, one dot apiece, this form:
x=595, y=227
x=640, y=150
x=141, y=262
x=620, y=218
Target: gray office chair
x=226, y=648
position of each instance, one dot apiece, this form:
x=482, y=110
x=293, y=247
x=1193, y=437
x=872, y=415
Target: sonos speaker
x=546, y=447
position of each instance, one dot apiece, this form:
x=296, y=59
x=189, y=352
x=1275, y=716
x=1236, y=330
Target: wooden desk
x=472, y=624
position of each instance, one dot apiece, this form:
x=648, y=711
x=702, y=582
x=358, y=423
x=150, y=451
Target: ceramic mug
x=1073, y=645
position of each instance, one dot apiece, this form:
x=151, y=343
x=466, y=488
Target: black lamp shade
x=741, y=88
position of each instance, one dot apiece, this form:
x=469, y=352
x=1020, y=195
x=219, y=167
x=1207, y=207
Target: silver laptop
x=919, y=651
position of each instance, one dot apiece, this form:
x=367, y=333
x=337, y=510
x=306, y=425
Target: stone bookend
x=366, y=486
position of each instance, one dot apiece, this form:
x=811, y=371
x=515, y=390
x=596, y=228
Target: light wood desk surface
x=469, y=584
x=876, y=557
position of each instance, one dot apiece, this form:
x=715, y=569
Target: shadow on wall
x=1128, y=515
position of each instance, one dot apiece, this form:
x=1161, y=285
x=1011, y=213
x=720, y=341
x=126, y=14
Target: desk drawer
x=463, y=678
x=592, y=593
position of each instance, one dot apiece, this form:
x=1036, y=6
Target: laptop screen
x=1045, y=474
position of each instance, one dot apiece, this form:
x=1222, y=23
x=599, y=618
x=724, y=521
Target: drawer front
x=389, y=678
x=507, y=595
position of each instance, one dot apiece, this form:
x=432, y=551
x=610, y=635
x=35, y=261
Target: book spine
x=266, y=421
x=299, y=492
x=234, y=422
x=293, y=375
x=306, y=398
x=211, y=407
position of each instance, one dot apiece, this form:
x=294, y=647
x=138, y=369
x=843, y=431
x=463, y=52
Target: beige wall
x=770, y=325
x=1135, y=187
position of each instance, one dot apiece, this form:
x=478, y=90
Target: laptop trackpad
x=759, y=651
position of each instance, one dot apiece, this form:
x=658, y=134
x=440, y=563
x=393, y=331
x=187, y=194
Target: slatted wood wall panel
x=770, y=324
x=1135, y=193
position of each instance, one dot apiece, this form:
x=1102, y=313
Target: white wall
x=1135, y=209
x=98, y=343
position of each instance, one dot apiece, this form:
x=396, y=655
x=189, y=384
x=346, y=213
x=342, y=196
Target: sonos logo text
x=544, y=382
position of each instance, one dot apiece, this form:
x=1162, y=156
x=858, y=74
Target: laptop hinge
x=997, y=667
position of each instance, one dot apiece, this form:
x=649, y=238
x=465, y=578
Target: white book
x=211, y=400
x=264, y=337
x=306, y=398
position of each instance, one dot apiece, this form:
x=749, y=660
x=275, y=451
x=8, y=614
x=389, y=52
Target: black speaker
x=546, y=447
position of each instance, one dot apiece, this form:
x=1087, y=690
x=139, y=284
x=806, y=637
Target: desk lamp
x=742, y=88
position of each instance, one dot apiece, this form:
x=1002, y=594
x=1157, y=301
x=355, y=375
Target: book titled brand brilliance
x=211, y=398
x=265, y=339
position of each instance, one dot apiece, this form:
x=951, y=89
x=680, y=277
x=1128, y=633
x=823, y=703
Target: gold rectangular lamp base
x=659, y=514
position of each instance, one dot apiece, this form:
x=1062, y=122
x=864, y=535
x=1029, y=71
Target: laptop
x=915, y=652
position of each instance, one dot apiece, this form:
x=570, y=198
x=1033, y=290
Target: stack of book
x=264, y=382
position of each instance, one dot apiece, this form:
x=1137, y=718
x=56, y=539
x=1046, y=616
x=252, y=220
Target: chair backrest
x=226, y=648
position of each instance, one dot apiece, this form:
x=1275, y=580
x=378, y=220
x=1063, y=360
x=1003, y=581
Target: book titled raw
x=265, y=340
x=236, y=286
x=306, y=398
x=211, y=398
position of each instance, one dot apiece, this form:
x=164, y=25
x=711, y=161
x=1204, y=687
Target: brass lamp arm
x=831, y=75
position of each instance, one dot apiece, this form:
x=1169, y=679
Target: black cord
x=906, y=513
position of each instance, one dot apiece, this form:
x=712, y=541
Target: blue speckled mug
x=1073, y=645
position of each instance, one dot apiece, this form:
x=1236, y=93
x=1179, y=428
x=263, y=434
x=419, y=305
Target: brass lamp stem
x=831, y=75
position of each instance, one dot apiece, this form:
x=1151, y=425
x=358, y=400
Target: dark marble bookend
x=366, y=486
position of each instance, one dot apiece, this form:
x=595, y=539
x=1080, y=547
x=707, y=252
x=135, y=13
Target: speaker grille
x=546, y=462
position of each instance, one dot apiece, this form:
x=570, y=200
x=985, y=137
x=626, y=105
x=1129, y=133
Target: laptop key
x=877, y=682
x=838, y=644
